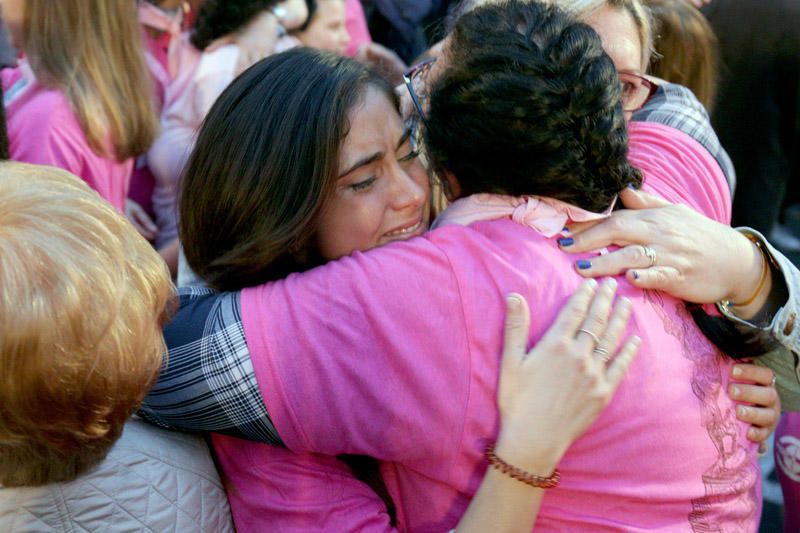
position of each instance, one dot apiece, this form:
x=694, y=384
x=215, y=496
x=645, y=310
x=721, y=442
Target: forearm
x=502, y=504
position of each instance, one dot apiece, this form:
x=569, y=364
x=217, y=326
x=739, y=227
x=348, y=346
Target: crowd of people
x=439, y=267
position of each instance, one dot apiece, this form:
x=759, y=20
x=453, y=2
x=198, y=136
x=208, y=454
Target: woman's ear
x=452, y=188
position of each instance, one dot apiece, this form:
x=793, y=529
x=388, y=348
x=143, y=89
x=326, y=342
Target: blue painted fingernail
x=566, y=229
x=631, y=186
x=635, y=275
x=566, y=241
x=583, y=264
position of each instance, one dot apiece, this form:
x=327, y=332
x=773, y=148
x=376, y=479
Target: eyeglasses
x=416, y=80
x=636, y=90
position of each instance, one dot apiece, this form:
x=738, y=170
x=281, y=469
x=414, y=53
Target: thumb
x=633, y=199
x=517, y=325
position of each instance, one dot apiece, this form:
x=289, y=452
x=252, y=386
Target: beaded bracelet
x=520, y=475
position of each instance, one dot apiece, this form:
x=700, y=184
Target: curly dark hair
x=530, y=104
x=217, y=18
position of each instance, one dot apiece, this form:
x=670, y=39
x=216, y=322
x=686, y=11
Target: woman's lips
x=405, y=230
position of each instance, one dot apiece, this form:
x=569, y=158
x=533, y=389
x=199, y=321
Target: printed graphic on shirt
x=787, y=456
x=734, y=472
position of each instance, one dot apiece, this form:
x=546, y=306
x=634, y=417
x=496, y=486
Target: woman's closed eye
x=362, y=185
x=408, y=149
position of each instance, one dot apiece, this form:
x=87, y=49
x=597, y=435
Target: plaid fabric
x=208, y=382
x=676, y=106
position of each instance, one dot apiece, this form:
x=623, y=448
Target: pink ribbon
x=545, y=215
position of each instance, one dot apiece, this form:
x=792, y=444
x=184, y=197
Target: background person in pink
x=454, y=272
x=80, y=99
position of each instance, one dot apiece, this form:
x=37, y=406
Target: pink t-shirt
x=394, y=354
x=43, y=129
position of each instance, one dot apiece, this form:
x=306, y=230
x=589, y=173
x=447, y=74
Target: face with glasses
x=622, y=43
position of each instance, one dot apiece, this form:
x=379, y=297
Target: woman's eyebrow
x=363, y=162
x=403, y=138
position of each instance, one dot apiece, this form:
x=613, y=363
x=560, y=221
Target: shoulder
x=679, y=169
x=676, y=106
x=202, y=313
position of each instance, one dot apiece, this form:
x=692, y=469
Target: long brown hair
x=265, y=166
x=91, y=50
x=687, y=48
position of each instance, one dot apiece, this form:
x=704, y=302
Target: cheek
x=350, y=224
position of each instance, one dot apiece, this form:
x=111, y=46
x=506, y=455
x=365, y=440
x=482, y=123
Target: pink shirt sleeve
x=679, y=169
x=338, y=345
x=284, y=492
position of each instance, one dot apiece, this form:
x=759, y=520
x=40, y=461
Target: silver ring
x=592, y=335
x=650, y=253
x=774, y=379
x=602, y=352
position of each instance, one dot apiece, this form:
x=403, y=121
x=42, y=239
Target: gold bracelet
x=520, y=475
x=764, y=273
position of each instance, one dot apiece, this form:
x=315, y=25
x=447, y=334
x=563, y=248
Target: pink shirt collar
x=545, y=215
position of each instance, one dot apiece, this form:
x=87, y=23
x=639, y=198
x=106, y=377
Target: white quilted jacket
x=152, y=480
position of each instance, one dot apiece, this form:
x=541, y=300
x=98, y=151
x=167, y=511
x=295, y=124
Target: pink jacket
x=394, y=354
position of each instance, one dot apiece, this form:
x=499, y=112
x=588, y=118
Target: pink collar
x=545, y=215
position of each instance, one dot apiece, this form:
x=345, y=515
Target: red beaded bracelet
x=520, y=475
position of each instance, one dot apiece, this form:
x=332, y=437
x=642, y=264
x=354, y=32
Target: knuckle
x=618, y=224
x=636, y=253
x=596, y=323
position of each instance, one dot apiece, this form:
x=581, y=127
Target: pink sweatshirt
x=394, y=354
x=43, y=129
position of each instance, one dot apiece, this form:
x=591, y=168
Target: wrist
x=751, y=263
x=754, y=285
x=536, y=456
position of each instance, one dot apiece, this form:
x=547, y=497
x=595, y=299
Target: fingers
x=657, y=277
x=614, y=263
x=613, y=334
x=760, y=435
x=762, y=417
x=517, y=326
x=764, y=412
x=761, y=395
x=593, y=327
x=620, y=229
x=638, y=199
x=622, y=361
x=754, y=373
x=574, y=312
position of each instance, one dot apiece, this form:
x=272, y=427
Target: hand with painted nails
x=549, y=395
x=759, y=404
x=673, y=249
